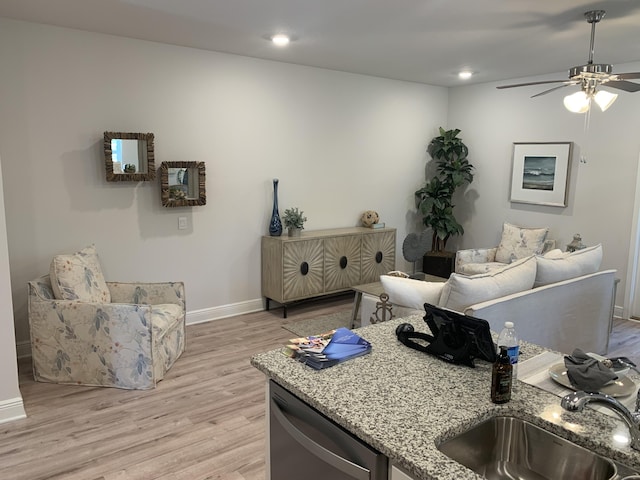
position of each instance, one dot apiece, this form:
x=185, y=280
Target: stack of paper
x=328, y=349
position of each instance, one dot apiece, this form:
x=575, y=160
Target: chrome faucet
x=576, y=401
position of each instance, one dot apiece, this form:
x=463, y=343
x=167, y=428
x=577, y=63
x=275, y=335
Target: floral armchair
x=127, y=342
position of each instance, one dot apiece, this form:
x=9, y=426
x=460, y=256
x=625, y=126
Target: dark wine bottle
x=501, y=378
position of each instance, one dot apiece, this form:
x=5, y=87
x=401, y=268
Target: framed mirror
x=182, y=184
x=129, y=157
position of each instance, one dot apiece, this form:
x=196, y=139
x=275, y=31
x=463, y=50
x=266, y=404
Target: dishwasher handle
x=345, y=466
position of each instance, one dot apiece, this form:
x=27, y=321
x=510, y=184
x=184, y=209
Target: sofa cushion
x=519, y=242
x=79, y=277
x=461, y=291
x=476, y=268
x=555, y=253
x=568, y=265
x=411, y=293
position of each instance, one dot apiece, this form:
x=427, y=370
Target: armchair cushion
x=564, y=266
x=79, y=277
x=461, y=291
x=411, y=293
x=519, y=242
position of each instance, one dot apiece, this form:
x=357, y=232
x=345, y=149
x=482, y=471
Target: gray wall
x=340, y=144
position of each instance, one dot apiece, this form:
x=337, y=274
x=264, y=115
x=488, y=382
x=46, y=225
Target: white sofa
x=482, y=260
x=560, y=314
x=515, y=243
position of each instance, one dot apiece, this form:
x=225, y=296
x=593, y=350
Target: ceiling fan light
x=605, y=99
x=577, y=102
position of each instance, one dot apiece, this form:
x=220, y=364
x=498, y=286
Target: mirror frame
x=167, y=201
x=129, y=177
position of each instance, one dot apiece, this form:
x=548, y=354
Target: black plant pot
x=440, y=264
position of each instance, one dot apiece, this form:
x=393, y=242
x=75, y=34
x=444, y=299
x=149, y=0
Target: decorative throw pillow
x=462, y=291
x=79, y=277
x=411, y=293
x=568, y=265
x=555, y=253
x=519, y=242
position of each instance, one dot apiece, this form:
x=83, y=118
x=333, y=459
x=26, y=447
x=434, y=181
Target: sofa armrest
x=475, y=255
x=148, y=293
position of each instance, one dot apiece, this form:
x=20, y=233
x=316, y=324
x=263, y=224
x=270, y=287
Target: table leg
x=356, y=308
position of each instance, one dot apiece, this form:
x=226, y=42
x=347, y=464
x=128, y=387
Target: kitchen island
x=404, y=403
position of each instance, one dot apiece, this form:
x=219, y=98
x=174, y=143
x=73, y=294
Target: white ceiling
x=424, y=41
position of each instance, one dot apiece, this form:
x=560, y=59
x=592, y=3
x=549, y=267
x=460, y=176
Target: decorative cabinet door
x=378, y=255
x=303, y=269
x=341, y=262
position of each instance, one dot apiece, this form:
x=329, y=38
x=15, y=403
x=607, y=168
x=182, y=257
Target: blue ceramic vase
x=275, y=225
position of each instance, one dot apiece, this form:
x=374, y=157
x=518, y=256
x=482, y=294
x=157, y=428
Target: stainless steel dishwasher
x=306, y=444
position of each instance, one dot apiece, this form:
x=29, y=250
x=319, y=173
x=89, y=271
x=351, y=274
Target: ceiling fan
x=590, y=76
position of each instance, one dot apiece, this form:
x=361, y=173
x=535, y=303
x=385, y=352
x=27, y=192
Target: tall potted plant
x=435, y=199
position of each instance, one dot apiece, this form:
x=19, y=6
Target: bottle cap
x=508, y=324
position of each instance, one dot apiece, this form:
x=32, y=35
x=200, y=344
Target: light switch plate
x=182, y=223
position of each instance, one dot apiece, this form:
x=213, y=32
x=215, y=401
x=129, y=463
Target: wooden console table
x=324, y=262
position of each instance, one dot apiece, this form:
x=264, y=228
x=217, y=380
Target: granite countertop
x=403, y=402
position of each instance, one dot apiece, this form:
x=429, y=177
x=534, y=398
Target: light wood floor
x=205, y=420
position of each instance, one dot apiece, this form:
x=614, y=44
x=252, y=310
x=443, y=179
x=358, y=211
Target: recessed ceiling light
x=465, y=74
x=281, y=40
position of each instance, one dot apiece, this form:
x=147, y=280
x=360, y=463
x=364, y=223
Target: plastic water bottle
x=508, y=339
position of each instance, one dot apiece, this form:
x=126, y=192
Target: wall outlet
x=182, y=223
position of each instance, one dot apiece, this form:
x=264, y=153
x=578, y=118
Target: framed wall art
x=540, y=173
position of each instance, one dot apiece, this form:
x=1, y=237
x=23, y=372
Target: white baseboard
x=224, y=311
x=23, y=349
x=618, y=311
x=12, y=409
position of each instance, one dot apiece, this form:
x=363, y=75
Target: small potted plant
x=294, y=221
x=129, y=168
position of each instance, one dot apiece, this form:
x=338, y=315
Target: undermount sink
x=510, y=448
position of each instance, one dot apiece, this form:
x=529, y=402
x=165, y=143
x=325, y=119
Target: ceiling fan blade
x=553, y=89
x=530, y=83
x=623, y=85
x=627, y=76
